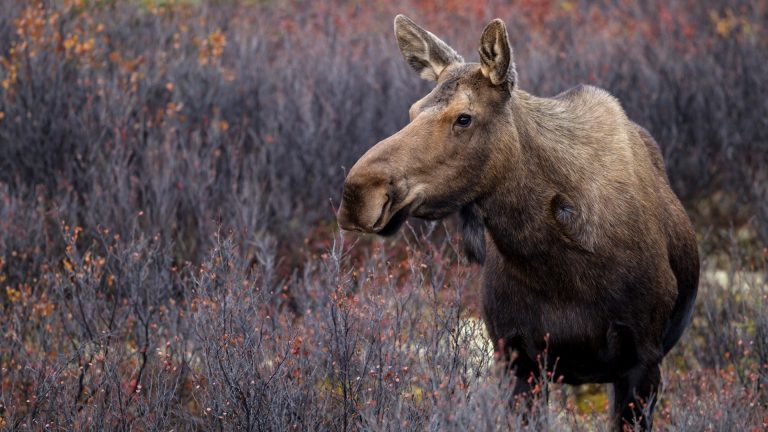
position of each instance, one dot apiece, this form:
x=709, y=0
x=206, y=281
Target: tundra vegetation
x=169, y=173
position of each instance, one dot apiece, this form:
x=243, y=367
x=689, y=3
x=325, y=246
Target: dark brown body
x=611, y=303
x=590, y=262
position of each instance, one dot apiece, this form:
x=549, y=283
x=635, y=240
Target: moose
x=588, y=256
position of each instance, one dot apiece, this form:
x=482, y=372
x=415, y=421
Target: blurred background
x=145, y=144
x=245, y=114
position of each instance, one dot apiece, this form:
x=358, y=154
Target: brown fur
x=564, y=199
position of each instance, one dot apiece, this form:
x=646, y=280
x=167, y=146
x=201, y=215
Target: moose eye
x=464, y=120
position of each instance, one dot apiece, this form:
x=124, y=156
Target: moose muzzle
x=364, y=208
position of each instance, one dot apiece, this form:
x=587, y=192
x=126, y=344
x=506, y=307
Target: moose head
x=442, y=160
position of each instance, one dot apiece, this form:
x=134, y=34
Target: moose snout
x=364, y=207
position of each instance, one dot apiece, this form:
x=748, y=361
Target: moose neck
x=513, y=210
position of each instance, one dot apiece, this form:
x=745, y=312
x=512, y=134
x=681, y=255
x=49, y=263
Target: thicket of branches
x=246, y=116
x=168, y=171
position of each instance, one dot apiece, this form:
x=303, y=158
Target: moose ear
x=496, y=61
x=423, y=51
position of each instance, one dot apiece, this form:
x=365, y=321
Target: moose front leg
x=523, y=398
x=634, y=398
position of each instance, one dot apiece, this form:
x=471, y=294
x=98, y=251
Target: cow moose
x=589, y=258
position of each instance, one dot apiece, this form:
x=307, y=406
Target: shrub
x=168, y=254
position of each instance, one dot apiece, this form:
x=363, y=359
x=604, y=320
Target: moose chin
x=589, y=259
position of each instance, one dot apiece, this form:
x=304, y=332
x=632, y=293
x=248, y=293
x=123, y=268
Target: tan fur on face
x=431, y=160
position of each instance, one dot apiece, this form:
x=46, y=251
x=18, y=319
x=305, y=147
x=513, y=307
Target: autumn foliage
x=168, y=251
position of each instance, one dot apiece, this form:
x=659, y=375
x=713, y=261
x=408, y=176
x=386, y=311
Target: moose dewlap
x=564, y=200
